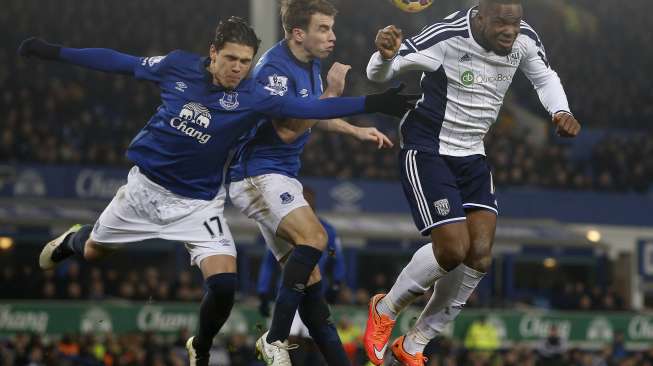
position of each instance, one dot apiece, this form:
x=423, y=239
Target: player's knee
x=451, y=252
x=315, y=276
x=479, y=256
x=93, y=251
x=316, y=238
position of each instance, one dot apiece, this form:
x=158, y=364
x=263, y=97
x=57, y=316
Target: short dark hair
x=297, y=13
x=235, y=30
x=488, y=2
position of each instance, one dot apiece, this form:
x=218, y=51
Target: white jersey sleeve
x=537, y=69
x=409, y=58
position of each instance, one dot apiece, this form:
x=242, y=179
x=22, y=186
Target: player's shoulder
x=454, y=25
x=528, y=33
x=176, y=59
x=275, y=58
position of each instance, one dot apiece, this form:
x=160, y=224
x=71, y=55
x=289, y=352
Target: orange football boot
x=401, y=357
x=377, y=332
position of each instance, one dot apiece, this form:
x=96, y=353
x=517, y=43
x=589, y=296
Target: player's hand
x=566, y=124
x=373, y=135
x=36, y=47
x=391, y=102
x=336, y=79
x=388, y=41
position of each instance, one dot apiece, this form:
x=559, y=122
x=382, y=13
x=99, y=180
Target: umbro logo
x=181, y=86
x=466, y=58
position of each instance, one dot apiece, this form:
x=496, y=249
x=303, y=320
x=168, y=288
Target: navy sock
x=215, y=308
x=76, y=241
x=295, y=276
x=314, y=312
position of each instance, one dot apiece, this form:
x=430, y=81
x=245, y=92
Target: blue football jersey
x=186, y=143
x=261, y=151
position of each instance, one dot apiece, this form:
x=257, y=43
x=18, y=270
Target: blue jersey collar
x=305, y=65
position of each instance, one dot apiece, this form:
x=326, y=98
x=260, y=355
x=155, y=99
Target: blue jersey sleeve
x=267, y=272
x=273, y=101
x=275, y=78
x=153, y=68
x=101, y=59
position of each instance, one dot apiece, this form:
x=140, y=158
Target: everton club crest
x=229, y=100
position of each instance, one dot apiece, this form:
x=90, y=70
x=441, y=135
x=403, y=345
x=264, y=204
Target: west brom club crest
x=229, y=100
x=442, y=206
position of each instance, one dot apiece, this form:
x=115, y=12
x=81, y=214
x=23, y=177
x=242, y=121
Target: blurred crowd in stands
x=237, y=350
x=59, y=114
x=72, y=281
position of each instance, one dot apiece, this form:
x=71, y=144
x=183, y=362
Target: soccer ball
x=412, y=6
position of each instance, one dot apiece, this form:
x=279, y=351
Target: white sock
x=448, y=299
x=415, y=342
x=413, y=281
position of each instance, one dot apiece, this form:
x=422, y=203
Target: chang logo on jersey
x=468, y=78
x=190, y=117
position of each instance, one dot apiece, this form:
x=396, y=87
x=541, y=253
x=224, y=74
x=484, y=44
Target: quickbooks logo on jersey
x=196, y=114
x=468, y=78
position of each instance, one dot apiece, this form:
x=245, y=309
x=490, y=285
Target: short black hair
x=235, y=30
x=483, y=4
x=500, y=1
x=297, y=13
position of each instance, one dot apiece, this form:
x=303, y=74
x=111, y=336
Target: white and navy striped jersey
x=463, y=84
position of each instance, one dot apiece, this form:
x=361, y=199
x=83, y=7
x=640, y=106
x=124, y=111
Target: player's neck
x=478, y=35
x=299, y=52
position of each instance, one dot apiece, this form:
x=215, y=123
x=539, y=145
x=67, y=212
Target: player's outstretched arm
x=290, y=129
x=546, y=82
x=364, y=134
x=389, y=102
x=395, y=56
x=101, y=59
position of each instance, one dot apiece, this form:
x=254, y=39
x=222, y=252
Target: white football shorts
x=143, y=210
x=267, y=199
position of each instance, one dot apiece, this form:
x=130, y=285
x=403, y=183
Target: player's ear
x=213, y=53
x=298, y=35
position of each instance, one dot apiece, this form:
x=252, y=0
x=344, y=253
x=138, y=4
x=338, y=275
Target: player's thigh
x=301, y=226
x=268, y=199
x=279, y=247
x=431, y=190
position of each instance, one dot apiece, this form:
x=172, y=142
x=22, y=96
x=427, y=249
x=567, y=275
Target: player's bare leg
x=74, y=241
x=302, y=287
x=428, y=264
x=219, y=273
x=453, y=290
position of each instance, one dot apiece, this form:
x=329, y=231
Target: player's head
x=309, y=23
x=499, y=24
x=232, y=52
